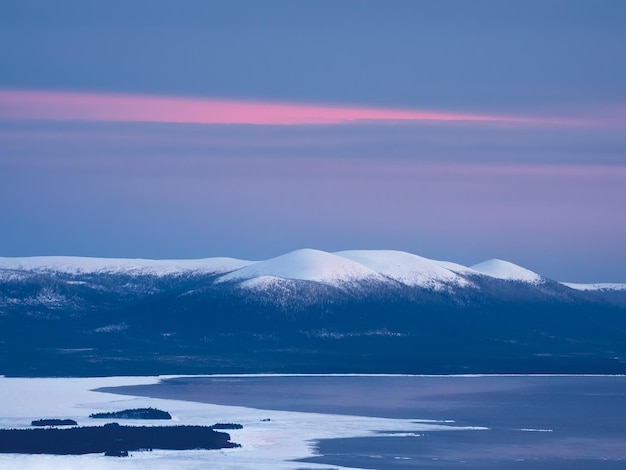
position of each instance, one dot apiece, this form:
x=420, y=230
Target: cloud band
x=54, y=105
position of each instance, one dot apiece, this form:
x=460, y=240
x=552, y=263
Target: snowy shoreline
x=269, y=439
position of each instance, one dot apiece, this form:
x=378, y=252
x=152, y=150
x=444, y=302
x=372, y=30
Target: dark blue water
x=586, y=417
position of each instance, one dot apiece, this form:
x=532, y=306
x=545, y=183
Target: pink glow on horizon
x=143, y=108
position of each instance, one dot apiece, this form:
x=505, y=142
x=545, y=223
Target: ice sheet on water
x=269, y=439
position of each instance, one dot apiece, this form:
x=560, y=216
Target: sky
x=455, y=130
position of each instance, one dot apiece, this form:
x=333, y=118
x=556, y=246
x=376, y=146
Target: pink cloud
x=142, y=108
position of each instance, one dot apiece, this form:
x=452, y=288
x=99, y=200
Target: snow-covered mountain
x=294, y=280
x=74, y=265
x=351, y=266
x=308, y=310
x=334, y=269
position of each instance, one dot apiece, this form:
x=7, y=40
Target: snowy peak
x=501, y=269
x=306, y=265
x=406, y=268
x=78, y=265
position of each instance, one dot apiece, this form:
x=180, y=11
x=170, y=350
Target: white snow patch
x=265, y=282
x=117, y=327
x=406, y=268
x=505, y=270
x=80, y=265
x=306, y=265
x=50, y=297
x=599, y=286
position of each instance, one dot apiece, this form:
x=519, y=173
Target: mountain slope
x=406, y=268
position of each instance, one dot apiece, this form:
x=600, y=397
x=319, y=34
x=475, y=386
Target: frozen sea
x=367, y=422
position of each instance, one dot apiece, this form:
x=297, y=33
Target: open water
x=534, y=422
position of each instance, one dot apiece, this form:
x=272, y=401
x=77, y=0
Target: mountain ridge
x=401, y=266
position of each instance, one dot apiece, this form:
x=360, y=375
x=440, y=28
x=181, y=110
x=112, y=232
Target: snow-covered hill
x=506, y=270
x=305, y=265
x=74, y=265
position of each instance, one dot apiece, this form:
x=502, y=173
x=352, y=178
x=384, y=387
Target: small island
x=136, y=413
x=226, y=426
x=53, y=422
x=111, y=439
